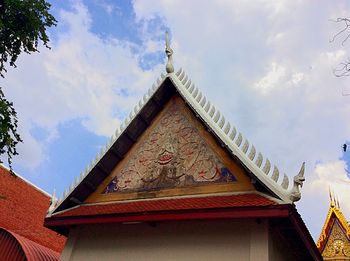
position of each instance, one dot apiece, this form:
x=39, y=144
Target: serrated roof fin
x=259, y=160
x=239, y=140
x=245, y=146
x=252, y=152
x=285, y=182
x=267, y=166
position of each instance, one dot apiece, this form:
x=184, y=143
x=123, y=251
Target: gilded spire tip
x=330, y=195
x=338, y=205
x=169, y=52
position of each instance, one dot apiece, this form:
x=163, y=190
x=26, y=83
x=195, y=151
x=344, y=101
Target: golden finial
x=330, y=196
x=335, y=201
x=169, y=52
x=338, y=205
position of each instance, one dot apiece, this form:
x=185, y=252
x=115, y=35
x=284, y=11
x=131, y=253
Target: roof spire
x=169, y=52
x=338, y=206
x=331, y=197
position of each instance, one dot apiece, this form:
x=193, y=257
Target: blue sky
x=266, y=64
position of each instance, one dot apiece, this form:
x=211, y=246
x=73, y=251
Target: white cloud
x=108, y=7
x=336, y=56
x=326, y=176
x=278, y=77
x=232, y=50
x=268, y=66
x=83, y=76
x=272, y=79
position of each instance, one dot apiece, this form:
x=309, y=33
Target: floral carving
x=338, y=244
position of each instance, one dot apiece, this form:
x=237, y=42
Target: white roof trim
x=217, y=123
x=55, y=202
x=228, y=135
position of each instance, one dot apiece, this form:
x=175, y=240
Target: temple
x=178, y=181
x=334, y=240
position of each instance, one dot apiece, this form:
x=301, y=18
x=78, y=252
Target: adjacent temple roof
x=334, y=240
x=16, y=247
x=23, y=207
x=261, y=170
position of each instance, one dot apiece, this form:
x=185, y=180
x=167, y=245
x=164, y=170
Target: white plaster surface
x=187, y=240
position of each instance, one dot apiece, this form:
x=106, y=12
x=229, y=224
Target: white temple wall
x=186, y=240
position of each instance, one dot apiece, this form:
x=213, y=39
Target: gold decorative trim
x=328, y=243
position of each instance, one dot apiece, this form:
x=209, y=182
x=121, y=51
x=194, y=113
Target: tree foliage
x=8, y=128
x=23, y=25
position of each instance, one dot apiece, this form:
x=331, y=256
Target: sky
x=266, y=64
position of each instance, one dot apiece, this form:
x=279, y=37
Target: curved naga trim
x=227, y=133
x=298, y=181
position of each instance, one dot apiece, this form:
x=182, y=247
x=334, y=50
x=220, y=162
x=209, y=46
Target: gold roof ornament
x=338, y=204
x=334, y=240
x=330, y=197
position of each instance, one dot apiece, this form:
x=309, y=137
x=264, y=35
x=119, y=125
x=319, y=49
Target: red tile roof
x=208, y=202
x=16, y=247
x=23, y=208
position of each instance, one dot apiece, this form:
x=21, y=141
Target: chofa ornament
x=297, y=184
x=169, y=52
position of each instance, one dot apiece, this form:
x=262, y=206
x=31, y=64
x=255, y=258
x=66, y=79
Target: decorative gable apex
x=140, y=118
x=175, y=156
x=334, y=240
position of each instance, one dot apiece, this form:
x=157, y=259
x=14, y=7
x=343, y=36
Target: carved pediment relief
x=338, y=244
x=176, y=155
x=173, y=155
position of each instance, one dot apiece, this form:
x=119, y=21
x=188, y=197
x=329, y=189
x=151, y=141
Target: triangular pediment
x=226, y=147
x=338, y=244
x=176, y=155
x=334, y=240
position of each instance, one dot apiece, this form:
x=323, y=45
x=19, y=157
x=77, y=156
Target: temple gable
x=187, y=181
x=175, y=156
x=334, y=240
x=338, y=244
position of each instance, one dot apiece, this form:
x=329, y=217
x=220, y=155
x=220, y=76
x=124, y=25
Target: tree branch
x=346, y=22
